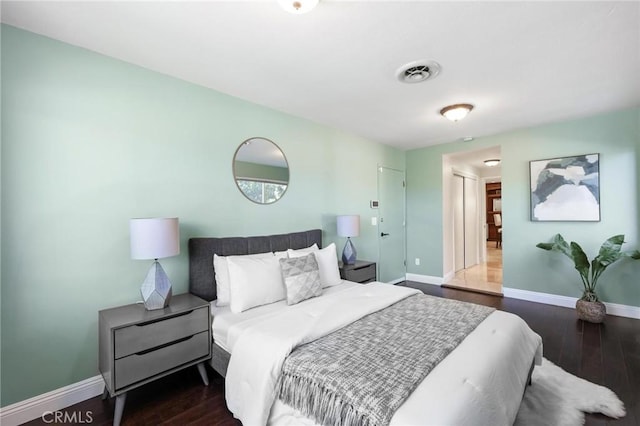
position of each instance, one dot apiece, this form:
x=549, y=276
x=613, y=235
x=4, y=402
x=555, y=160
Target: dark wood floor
x=607, y=354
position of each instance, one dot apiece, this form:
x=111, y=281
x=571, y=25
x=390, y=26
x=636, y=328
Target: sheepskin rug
x=556, y=397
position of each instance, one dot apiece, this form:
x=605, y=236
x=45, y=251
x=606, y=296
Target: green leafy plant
x=610, y=252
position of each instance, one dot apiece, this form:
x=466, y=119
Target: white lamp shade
x=348, y=225
x=154, y=238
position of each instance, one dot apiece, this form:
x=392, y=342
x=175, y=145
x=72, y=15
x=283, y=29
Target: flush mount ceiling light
x=298, y=6
x=456, y=112
x=418, y=71
x=492, y=162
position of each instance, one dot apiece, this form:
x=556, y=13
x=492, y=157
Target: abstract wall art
x=566, y=189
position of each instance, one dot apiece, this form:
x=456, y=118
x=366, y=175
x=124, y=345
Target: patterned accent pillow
x=301, y=278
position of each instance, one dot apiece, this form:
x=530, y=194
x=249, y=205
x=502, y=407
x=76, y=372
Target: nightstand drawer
x=361, y=275
x=143, y=336
x=137, y=367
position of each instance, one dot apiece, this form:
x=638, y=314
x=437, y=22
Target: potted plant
x=589, y=306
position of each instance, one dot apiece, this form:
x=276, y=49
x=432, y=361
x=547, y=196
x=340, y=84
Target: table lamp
x=349, y=226
x=155, y=238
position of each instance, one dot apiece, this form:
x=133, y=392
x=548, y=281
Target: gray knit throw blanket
x=360, y=375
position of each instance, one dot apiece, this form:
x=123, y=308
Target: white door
x=458, y=222
x=465, y=221
x=391, y=230
x=470, y=222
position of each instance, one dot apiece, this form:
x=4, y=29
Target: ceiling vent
x=418, y=71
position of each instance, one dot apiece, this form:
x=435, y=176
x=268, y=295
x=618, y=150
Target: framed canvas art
x=566, y=189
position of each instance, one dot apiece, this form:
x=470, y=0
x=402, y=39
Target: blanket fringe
x=321, y=404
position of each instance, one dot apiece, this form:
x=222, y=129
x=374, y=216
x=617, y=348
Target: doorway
x=391, y=225
x=475, y=260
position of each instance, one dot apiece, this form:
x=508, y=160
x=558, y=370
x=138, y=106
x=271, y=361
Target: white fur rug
x=556, y=397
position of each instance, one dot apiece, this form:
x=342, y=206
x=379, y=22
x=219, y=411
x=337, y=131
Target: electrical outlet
x=417, y=261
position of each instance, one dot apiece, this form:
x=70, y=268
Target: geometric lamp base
x=349, y=253
x=156, y=288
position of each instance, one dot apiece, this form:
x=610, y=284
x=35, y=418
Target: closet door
x=470, y=222
x=465, y=221
x=458, y=222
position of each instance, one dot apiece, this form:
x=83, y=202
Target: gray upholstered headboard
x=202, y=281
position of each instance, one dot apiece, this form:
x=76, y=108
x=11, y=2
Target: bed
x=480, y=381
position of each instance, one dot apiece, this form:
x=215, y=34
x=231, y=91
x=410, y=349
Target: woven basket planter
x=591, y=311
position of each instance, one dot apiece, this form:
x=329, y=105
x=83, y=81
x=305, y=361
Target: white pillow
x=222, y=276
x=327, y=264
x=303, y=251
x=281, y=254
x=254, y=282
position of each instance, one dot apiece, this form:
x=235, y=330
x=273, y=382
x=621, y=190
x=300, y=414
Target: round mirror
x=261, y=170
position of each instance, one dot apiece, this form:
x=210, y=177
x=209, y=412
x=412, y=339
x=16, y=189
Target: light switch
x=374, y=221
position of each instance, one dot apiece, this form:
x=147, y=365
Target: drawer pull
x=181, y=314
x=175, y=342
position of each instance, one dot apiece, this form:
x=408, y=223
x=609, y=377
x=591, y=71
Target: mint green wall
x=637, y=118
x=424, y=210
x=616, y=136
x=261, y=171
x=89, y=142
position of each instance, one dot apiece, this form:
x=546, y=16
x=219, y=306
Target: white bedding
x=226, y=323
x=480, y=382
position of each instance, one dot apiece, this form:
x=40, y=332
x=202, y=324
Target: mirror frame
x=235, y=178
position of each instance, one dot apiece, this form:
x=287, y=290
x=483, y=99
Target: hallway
x=483, y=277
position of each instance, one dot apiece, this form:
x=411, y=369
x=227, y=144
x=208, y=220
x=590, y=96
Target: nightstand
x=138, y=346
x=361, y=272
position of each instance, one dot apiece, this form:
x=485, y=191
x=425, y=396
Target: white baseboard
x=569, y=302
x=448, y=277
x=36, y=407
x=622, y=310
x=425, y=279
x=534, y=296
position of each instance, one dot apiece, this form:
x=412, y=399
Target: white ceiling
x=520, y=63
x=475, y=158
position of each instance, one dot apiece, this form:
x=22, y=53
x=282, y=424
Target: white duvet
x=480, y=382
